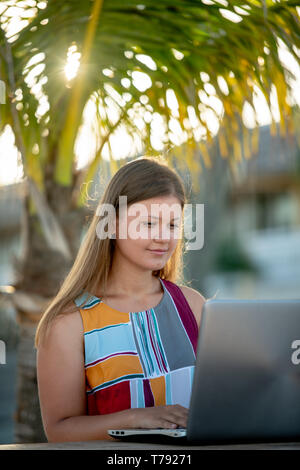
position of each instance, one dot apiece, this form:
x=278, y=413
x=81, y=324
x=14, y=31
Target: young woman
x=116, y=347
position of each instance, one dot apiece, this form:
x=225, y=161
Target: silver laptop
x=247, y=377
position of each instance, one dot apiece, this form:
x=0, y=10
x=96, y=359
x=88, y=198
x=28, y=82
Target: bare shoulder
x=195, y=301
x=66, y=328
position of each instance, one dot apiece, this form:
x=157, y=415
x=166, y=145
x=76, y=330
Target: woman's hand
x=168, y=416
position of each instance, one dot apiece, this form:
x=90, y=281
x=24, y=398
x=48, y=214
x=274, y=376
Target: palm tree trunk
x=28, y=422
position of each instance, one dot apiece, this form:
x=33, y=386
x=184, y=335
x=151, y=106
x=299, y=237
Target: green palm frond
x=212, y=64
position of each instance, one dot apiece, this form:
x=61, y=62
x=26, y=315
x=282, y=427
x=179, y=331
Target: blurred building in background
x=259, y=251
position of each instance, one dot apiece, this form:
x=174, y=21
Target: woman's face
x=146, y=226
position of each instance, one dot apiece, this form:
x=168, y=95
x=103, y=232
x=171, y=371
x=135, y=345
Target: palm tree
x=185, y=68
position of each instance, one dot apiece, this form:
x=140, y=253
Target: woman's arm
x=61, y=383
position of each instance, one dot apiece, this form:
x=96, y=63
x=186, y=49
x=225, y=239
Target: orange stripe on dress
x=158, y=387
x=113, y=368
x=101, y=316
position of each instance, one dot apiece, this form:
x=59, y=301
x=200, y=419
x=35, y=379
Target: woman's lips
x=158, y=252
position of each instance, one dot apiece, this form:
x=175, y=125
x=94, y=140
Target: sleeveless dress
x=138, y=359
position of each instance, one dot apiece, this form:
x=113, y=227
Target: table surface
x=118, y=445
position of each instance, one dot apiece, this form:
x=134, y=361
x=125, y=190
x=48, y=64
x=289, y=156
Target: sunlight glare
x=10, y=163
x=146, y=60
x=230, y=15
x=73, y=62
x=172, y=102
x=141, y=81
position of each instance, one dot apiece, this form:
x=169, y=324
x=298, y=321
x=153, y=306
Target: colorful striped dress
x=138, y=359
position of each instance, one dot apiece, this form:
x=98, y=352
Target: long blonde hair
x=139, y=179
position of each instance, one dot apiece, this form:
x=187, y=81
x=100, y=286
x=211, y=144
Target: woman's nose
x=161, y=232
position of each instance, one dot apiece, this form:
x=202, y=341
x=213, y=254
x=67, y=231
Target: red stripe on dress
x=148, y=395
x=110, y=400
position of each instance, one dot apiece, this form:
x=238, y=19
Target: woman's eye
x=148, y=223
x=152, y=223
